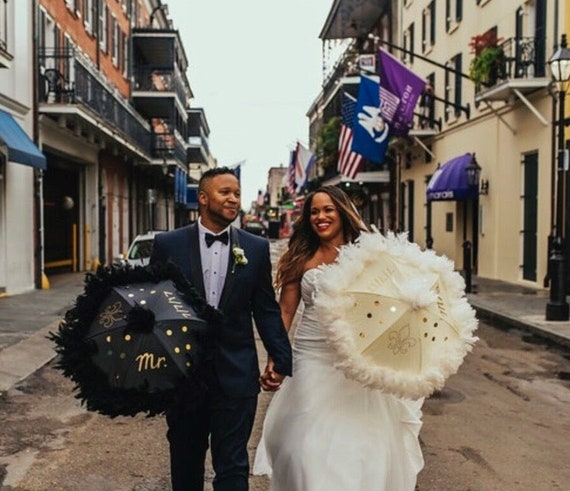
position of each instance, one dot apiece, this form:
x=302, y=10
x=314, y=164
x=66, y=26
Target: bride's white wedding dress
x=323, y=432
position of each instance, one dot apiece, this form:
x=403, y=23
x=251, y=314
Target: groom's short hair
x=211, y=173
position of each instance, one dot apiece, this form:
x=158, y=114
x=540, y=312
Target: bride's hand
x=270, y=380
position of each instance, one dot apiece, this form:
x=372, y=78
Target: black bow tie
x=211, y=238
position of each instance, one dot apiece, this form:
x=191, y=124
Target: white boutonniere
x=239, y=257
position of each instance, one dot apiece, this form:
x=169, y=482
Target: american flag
x=349, y=162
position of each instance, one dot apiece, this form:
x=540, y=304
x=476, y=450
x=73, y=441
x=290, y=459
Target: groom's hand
x=270, y=380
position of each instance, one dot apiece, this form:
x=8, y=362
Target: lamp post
x=557, y=306
x=473, y=171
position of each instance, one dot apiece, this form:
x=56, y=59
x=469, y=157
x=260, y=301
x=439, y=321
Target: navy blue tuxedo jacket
x=247, y=295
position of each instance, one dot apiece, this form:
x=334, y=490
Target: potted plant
x=488, y=65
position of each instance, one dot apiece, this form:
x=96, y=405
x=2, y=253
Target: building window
x=428, y=27
x=453, y=97
x=103, y=25
x=409, y=44
x=453, y=13
x=125, y=57
x=114, y=41
x=4, y=25
x=88, y=15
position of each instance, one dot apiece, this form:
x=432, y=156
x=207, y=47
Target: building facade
x=500, y=124
x=113, y=102
x=21, y=162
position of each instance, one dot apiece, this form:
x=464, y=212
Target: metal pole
x=467, y=270
x=557, y=307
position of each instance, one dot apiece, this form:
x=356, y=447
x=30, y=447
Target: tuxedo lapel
x=196, y=275
x=232, y=271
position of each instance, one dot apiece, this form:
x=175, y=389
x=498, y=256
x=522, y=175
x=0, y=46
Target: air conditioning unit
x=367, y=63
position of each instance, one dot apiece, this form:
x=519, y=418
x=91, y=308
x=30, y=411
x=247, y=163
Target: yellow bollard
x=45, y=282
x=95, y=264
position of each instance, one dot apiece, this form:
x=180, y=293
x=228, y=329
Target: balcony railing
x=152, y=79
x=520, y=58
x=347, y=65
x=523, y=57
x=167, y=145
x=65, y=79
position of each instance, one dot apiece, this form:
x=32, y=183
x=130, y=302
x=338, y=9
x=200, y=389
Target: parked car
x=139, y=250
x=256, y=228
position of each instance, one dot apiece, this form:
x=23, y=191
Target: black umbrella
x=136, y=339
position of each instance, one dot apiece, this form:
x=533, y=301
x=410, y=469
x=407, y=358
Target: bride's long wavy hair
x=304, y=242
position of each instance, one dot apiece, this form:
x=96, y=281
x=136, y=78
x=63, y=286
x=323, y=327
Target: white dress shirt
x=214, y=264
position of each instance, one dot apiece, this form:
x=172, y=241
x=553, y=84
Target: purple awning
x=449, y=182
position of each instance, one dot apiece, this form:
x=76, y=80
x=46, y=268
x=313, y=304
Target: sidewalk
x=26, y=319
x=25, y=322
x=518, y=307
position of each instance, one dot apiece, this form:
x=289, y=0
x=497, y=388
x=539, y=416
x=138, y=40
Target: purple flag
x=400, y=89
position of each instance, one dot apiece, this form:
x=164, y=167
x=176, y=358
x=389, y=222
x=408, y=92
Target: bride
x=323, y=432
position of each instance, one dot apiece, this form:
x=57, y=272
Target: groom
x=232, y=270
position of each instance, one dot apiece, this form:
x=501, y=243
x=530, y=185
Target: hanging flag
x=291, y=185
x=349, y=162
x=237, y=172
x=400, y=89
x=371, y=132
x=236, y=168
x=304, y=159
x=260, y=198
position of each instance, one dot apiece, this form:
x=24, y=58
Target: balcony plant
x=488, y=64
x=327, y=143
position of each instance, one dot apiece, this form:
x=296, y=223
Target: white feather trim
x=333, y=302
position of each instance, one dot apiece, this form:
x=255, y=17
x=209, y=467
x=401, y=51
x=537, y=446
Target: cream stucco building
x=507, y=123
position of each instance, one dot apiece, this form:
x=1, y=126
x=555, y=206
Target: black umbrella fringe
x=75, y=353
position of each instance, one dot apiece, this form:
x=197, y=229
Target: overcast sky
x=255, y=67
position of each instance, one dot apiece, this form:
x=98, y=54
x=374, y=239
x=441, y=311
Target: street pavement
x=27, y=319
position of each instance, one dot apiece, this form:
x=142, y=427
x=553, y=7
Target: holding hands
x=270, y=380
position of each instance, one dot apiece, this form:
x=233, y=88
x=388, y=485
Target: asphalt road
x=500, y=423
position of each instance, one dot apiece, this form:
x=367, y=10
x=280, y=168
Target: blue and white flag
x=371, y=132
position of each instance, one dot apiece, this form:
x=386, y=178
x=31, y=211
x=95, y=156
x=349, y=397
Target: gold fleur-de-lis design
x=111, y=314
x=401, y=341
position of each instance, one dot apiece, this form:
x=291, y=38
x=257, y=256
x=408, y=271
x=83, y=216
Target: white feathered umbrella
x=396, y=315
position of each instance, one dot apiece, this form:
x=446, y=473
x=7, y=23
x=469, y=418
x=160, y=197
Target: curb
x=26, y=357
x=506, y=321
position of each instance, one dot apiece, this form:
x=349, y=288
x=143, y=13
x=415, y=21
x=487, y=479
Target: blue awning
x=20, y=148
x=449, y=182
x=192, y=197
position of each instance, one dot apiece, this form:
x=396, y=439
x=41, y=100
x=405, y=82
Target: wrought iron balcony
x=64, y=78
x=159, y=83
x=354, y=59
x=521, y=69
x=523, y=57
x=167, y=145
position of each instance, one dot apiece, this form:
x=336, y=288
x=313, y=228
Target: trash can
x=273, y=230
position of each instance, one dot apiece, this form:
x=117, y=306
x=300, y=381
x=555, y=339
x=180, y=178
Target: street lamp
x=473, y=171
x=557, y=306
